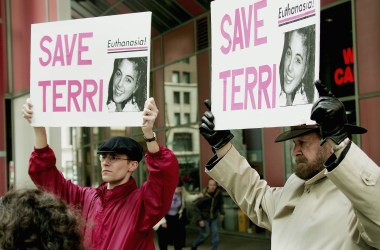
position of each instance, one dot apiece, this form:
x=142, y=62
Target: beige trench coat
x=333, y=210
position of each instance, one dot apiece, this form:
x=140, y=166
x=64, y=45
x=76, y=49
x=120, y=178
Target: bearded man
x=332, y=201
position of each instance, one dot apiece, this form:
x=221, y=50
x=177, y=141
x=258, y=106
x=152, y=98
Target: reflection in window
x=176, y=97
x=177, y=118
x=182, y=142
x=182, y=133
x=186, y=118
x=175, y=77
x=186, y=98
x=336, y=58
x=186, y=77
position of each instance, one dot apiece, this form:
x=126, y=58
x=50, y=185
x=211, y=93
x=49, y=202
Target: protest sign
x=265, y=58
x=90, y=72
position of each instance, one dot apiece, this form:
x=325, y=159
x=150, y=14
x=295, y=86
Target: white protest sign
x=265, y=59
x=90, y=72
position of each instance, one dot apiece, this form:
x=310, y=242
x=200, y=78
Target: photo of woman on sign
x=297, y=67
x=128, y=85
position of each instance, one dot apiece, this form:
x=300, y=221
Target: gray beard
x=305, y=169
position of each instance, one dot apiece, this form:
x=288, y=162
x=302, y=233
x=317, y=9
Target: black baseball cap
x=122, y=145
x=300, y=130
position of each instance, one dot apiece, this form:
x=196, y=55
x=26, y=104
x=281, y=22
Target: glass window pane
x=177, y=118
x=187, y=118
x=176, y=97
x=175, y=77
x=186, y=77
x=182, y=136
x=183, y=142
x=186, y=98
x=337, y=54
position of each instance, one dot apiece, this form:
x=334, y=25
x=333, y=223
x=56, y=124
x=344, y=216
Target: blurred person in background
x=171, y=229
x=207, y=211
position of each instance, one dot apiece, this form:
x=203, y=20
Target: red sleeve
x=46, y=176
x=158, y=190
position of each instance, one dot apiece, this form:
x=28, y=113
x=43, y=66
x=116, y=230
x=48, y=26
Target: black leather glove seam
x=212, y=162
x=332, y=162
x=337, y=135
x=224, y=140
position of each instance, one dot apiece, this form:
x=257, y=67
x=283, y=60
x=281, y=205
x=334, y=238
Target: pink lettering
x=242, y=28
x=224, y=76
x=57, y=95
x=58, y=53
x=247, y=25
x=239, y=92
x=238, y=34
x=251, y=72
x=264, y=84
x=72, y=93
x=70, y=48
x=46, y=50
x=259, y=23
x=44, y=85
x=235, y=89
x=226, y=18
x=100, y=95
x=89, y=94
x=64, y=50
x=82, y=48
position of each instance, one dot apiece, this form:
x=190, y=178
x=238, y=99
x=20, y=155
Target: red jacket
x=120, y=218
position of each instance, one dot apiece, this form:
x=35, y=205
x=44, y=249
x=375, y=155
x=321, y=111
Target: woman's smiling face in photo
x=124, y=81
x=295, y=62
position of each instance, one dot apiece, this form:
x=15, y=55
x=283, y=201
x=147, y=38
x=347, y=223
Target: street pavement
x=228, y=241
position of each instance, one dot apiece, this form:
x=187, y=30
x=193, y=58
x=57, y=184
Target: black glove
x=217, y=139
x=330, y=114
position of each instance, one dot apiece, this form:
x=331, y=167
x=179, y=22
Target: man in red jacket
x=118, y=214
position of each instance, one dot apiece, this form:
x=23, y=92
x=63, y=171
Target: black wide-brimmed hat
x=300, y=130
x=122, y=145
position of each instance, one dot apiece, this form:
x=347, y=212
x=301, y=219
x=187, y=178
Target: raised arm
x=40, y=138
x=162, y=165
x=42, y=165
x=150, y=114
x=349, y=168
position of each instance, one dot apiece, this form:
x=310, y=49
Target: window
x=177, y=118
x=186, y=97
x=186, y=77
x=181, y=119
x=182, y=142
x=176, y=97
x=336, y=52
x=187, y=118
x=175, y=77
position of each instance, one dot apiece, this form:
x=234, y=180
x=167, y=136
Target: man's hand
x=27, y=110
x=217, y=139
x=330, y=114
x=150, y=114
